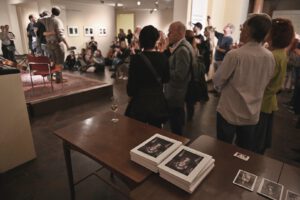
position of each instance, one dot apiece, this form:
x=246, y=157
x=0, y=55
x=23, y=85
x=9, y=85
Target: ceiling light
x=156, y=2
x=138, y=3
x=155, y=9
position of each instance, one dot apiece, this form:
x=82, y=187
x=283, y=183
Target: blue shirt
x=224, y=42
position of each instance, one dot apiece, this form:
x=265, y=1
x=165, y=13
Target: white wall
x=24, y=10
x=182, y=11
x=94, y=15
x=160, y=19
x=233, y=11
x=8, y=15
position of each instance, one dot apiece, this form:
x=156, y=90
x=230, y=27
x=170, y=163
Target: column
x=182, y=11
x=258, y=6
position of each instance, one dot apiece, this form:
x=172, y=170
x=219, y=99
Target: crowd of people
x=167, y=74
x=248, y=77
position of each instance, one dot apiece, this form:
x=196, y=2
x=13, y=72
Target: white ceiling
x=132, y=4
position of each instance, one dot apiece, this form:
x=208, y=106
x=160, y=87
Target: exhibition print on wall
x=88, y=31
x=102, y=31
x=73, y=31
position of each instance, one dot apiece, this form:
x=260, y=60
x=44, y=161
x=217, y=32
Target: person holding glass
x=148, y=71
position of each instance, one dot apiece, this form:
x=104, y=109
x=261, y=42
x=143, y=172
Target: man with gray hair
x=242, y=79
x=180, y=62
x=55, y=38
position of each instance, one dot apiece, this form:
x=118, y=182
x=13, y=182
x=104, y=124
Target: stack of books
x=153, y=151
x=186, y=168
x=182, y=166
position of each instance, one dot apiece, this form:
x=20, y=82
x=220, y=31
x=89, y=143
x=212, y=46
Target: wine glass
x=114, y=108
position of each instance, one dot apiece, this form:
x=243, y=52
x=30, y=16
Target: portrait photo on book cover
x=155, y=147
x=270, y=189
x=184, y=162
x=245, y=180
x=292, y=195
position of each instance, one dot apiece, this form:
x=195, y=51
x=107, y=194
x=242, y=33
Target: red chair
x=41, y=65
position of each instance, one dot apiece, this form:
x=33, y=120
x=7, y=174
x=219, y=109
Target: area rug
x=72, y=83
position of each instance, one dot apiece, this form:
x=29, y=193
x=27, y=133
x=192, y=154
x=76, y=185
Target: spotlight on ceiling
x=156, y=2
x=138, y=3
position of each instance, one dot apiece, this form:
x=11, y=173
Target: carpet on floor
x=40, y=91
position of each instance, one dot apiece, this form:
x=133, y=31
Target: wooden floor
x=45, y=177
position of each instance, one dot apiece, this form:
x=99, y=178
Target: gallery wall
x=161, y=19
x=8, y=15
x=88, y=15
x=24, y=10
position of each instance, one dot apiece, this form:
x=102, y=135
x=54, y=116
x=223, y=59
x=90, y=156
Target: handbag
x=197, y=88
x=149, y=104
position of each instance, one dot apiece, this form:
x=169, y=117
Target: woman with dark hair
x=148, y=71
x=280, y=37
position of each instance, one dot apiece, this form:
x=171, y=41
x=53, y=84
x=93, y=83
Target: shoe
x=125, y=78
x=120, y=77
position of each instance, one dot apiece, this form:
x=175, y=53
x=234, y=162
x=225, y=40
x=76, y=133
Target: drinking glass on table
x=114, y=108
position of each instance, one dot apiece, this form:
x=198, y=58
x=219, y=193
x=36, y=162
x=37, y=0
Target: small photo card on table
x=241, y=156
x=292, y=195
x=270, y=189
x=245, y=180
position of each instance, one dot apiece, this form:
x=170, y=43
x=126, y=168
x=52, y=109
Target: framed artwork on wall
x=73, y=31
x=88, y=31
x=102, y=31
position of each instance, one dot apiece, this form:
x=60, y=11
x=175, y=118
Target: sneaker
x=125, y=78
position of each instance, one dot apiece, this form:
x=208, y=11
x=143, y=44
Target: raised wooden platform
x=75, y=91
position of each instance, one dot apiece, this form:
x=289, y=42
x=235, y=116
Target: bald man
x=180, y=61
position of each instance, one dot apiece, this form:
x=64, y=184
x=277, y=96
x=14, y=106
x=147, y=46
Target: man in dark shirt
x=40, y=29
x=30, y=33
x=197, y=29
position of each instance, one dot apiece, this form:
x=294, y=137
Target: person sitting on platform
x=70, y=61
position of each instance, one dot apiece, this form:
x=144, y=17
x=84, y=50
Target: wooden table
x=218, y=184
x=109, y=144
x=290, y=179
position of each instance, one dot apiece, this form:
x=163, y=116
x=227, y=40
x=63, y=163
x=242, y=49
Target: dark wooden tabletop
x=218, y=184
x=290, y=178
x=110, y=143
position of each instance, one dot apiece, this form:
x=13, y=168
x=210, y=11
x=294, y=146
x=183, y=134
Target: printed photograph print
x=184, y=162
x=88, y=31
x=102, y=31
x=292, y=195
x=245, y=180
x=270, y=189
x=155, y=147
x=73, y=31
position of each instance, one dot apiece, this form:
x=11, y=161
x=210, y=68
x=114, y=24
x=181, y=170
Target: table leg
x=69, y=169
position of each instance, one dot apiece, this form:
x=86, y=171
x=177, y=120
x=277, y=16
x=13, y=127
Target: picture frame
x=270, y=189
x=290, y=195
x=88, y=31
x=73, y=31
x=245, y=180
x=102, y=31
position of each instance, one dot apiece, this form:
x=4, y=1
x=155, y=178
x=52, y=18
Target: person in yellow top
x=280, y=37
